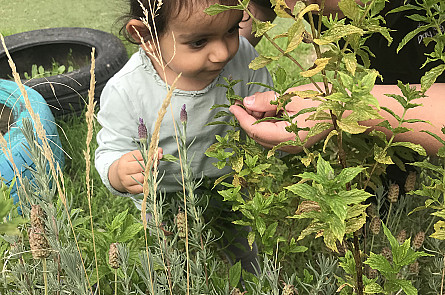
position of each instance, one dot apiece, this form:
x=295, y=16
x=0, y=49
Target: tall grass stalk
x=89, y=119
x=54, y=168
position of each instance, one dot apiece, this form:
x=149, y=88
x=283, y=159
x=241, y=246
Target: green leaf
x=430, y=77
x=129, y=232
x=373, y=288
x=320, y=63
x=351, y=127
x=415, y=147
x=260, y=27
x=218, y=8
x=348, y=174
x=260, y=225
x=262, y=61
x=235, y=274
x=350, y=9
x=392, y=240
x=350, y=62
x=412, y=34
x=377, y=261
x=354, y=196
x=118, y=220
x=295, y=36
x=407, y=287
x=337, y=32
x=381, y=157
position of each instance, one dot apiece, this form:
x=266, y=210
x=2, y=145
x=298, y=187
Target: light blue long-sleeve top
x=137, y=91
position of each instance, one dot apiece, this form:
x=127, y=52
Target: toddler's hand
x=125, y=174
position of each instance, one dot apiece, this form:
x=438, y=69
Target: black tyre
x=65, y=93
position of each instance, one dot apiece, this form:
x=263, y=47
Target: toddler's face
x=199, y=46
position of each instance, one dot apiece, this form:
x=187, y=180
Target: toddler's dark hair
x=168, y=10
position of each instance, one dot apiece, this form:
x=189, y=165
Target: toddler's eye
x=234, y=29
x=198, y=44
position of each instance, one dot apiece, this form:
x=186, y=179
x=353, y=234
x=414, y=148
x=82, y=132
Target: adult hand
x=126, y=173
x=266, y=133
x=271, y=133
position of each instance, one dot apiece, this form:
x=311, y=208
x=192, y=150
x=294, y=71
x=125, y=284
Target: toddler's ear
x=138, y=31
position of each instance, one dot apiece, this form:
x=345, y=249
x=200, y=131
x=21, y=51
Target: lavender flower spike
x=142, y=130
x=183, y=114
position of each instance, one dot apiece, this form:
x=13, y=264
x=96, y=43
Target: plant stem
x=389, y=213
x=443, y=276
x=115, y=282
x=45, y=275
x=358, y=264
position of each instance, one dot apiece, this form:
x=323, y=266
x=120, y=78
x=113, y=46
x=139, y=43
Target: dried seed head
x=307, y=206
x=374, y=226
x=372, y=273
x=289, y=289
x=183, y=114
x=37, y=218
x=401, y=237
x=372, y=210
x=410, y=181
x=418, y=240
x=180, y=223
x=414, y=267
x=393, y=192
x=142, y=131
x=386, y=252
x=38, y=243
x=113, y=256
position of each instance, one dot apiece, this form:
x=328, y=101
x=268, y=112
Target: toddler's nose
x=220, y=53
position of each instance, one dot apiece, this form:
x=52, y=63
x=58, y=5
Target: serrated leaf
x=118, y=220
x=129, y=232
x=351, y=127
x=260, y=225
x=348, y=174
x=281, y=9
x=350, y=62
x=349, y=9
x=261, y=61
x=260, y=27
x=377, y=261
x=218, y=8
x=415, y=147
x=373, y=288
x=381, y=157
x=310, y=7
x=295, y=36
x=406, y=286
x=326, y=141
x=337, y=32
x=320, y=65
x=430, y=77
x=411, y=35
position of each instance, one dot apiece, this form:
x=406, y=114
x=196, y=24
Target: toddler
x=203, y=49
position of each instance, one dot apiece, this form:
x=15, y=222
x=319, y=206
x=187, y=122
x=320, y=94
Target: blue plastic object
x=11, y=96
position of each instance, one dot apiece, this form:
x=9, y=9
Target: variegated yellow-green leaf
x=430, y=77
x=330, y=135
x=305, y=93
x=238, y=163
x=310, y=7
x=350, y=62
x=295, y=36
x=354, y=224
x=319, y=128
x=337, y=32
x=350, y=9
x=260, y=27
x=381, y=157
x=351, y=127
x=415, y=147
x=439, y=230
x=261, y=61
x=320, y=65
x=280, y=9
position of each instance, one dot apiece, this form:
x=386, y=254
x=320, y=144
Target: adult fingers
x=265, y=133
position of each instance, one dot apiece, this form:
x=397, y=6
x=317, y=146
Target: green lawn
x=25, y=15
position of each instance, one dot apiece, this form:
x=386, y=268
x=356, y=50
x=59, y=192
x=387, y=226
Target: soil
x=6, y=118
